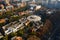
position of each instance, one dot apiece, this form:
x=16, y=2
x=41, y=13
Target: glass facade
x=50, y=3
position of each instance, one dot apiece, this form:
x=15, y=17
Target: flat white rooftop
x=34, y=18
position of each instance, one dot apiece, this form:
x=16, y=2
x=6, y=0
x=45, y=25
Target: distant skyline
x=33, y=0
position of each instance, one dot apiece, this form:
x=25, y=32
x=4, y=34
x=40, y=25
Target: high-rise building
x=50, y=3
x=15, y=1
x=25, y=0
x=58, y=4
x=38, y=1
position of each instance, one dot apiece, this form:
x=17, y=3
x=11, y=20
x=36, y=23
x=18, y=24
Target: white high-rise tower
x=33, y=0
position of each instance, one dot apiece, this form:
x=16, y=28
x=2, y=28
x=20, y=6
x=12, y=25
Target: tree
x=20, y=33
x=33, y=37
x=14, y=18
x=12, y=35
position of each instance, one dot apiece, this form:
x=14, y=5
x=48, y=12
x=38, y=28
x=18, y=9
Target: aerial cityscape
x=29, y=19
